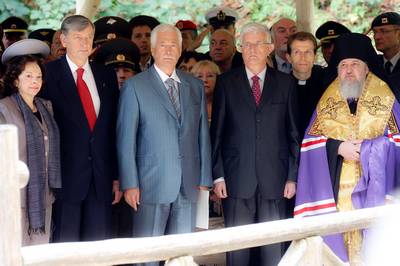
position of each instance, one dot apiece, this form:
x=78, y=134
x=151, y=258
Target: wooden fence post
x=305, y=15
x=10, y=206
x=87, y=8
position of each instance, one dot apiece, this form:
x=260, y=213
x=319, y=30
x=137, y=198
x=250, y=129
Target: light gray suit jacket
x=156, y=152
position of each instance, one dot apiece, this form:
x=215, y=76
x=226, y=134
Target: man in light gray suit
x=163, y=141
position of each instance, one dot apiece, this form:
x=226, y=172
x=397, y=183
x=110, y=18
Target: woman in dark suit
x=38, y=143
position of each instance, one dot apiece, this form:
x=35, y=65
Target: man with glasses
x=302, y=48
x=386, y=29
x=255, y=143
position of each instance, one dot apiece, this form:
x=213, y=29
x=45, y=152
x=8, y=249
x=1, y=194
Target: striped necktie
x=174, y=96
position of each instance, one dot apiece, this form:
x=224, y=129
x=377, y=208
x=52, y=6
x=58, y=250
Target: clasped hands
x=350, y=150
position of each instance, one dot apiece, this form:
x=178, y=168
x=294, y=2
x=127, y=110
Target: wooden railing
x=304, y=231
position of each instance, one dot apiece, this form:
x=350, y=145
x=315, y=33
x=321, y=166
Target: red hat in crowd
x=185, y=25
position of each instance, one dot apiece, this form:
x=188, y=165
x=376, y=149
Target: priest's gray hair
x=254, y=27
x=164, y=28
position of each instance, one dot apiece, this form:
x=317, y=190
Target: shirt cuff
x=220, y=179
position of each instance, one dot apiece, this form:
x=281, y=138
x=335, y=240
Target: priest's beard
x=351, y=89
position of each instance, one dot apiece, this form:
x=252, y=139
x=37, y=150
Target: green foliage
x=355, y=14
x=49, y=14
x=13, y=8
x=167, y=11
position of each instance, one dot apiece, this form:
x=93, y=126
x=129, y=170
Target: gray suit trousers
x=177, y=217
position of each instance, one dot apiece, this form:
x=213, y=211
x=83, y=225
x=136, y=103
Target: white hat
x=25, y=47
x=226, y=10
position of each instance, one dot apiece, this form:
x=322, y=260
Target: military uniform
x=15, y=29
x=110, y=28
x=44, y=35
x=327, y=34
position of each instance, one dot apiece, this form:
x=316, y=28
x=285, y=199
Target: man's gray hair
x=75, y=23
x=272, y=29
x=254, y=27
x=164, y=28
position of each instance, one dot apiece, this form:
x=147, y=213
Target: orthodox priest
x=351, y=148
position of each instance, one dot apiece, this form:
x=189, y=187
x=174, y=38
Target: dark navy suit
x=82, y=210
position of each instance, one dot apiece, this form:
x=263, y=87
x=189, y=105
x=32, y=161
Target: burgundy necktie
x=86, y=98
x=256, y=89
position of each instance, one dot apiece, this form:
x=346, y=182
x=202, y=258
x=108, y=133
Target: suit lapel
x=396, y=68
x=184, y=97
x=245, y=89
x=158, y=86
x=268, y=87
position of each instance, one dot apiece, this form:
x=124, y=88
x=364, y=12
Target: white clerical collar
x=164, y=76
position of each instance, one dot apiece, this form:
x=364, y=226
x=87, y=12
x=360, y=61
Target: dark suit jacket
x=395, y=69
x=85, y=156
x=255, y=146
x=309, y=95
x=237, y=60
x=393, y=79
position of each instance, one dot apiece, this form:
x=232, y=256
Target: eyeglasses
x=248, y=45
x=384, y=31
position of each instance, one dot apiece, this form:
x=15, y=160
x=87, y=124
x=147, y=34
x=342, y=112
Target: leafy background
x=355, y=14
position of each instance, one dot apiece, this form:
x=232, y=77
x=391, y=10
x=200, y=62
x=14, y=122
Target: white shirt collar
x=164, y=76
x=393, y=60
x=260, y=75
x=74, y=67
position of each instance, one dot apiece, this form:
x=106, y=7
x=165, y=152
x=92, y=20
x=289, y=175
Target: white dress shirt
x=260, y=75
x=164, y=76
x=89, y=80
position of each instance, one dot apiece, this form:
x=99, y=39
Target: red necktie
x=256, y=89
x=86, y=98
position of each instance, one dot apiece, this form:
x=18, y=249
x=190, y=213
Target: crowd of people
x=122, y=124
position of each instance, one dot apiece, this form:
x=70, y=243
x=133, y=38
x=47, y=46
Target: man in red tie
x=255, y=143
x=84, y=97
